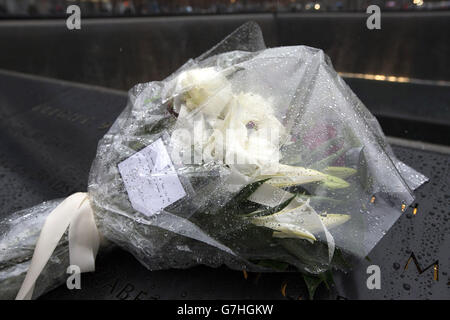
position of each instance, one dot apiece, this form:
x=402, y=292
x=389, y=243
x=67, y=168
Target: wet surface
x=415, y=111
x=49, y=133
x=424, y=235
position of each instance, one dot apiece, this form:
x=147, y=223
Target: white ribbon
x=76, y=214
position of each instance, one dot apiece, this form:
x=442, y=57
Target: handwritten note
x=151, y=180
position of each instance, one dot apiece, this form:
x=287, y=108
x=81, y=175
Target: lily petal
x=290, y=222
x=333, y=220
x=286, y=176
x=340, y=172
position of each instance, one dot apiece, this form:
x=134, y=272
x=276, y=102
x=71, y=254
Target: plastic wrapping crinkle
x=18, y=235
x=260, y=159
x=237, y=115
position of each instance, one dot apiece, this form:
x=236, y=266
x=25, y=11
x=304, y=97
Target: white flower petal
x=205, y=89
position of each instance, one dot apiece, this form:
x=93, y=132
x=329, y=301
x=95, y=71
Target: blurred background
x=401, y=71
x=98, y=8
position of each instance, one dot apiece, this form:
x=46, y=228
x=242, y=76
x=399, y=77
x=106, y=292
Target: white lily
x=285, y=176
x=340, y=172
x=332, y=220
x=237, y=129
x=287, y=223
x=297, y=222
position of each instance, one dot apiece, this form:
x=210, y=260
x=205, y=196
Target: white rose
x=240, y=129
x=205, y=89
x=252, y=131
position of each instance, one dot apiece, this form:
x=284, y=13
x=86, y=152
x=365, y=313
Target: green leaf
x=152, y=99
x=248, y=190
x=340, y=172
x=319, y=165
x=160, y=125
x=322, y=148
x=351, y=137
x=246, y=207
x=333, y=182
x=273, y=264
x=241, y=197
x=320, y=200
x=313, y=282
x=137, y=145
x=363, y=172
x=269, y=211
x=327, y=278
x=339, y=262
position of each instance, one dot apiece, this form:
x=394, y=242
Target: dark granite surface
x=49, y=132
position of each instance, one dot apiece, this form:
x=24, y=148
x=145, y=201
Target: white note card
x=151, y=180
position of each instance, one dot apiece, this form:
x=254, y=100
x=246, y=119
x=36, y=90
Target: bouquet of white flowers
x=260, y=159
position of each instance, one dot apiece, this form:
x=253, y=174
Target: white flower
x=249, y=134
x=288, y=223
x=299, y=222
x=331, y=220
x=257, y=115
x=205, y=89
x=239, y=128
x=284, y=176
